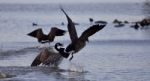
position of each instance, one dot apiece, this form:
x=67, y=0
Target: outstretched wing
x=53, y=58
x=71, y=28
x=90, y=31
x=35, y=33
x=57, y=32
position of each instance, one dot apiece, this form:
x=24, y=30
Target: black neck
x=56, y=47
x=61, y=51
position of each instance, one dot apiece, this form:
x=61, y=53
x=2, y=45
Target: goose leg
x=71, y=57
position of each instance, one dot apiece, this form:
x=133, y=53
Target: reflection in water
x=63, y=75
x=42, y=74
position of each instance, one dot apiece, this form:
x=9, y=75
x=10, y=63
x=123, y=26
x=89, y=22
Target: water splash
x=76, y=67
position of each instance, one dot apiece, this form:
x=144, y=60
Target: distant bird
x=136, y=25
x=126, y=22
x=34, y=24
x=91, y=20
x=100, y=22
x=77, y=43
x=49, y=57
x=117, y=21
x=42, y=38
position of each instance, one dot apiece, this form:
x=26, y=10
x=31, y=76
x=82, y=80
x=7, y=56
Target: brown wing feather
x=60, y=32
x=35, y=32
x=36, y=61
x=57, y=31
x=71, y=28
x=53, y=58
x=90, y=31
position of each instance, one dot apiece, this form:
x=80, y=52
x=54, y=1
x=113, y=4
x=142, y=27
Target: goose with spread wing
x=50, y=57
x=77, y=43
x=43, y=38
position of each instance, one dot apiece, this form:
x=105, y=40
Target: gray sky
x=65, y=1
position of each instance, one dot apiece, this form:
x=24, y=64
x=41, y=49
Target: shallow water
x=113, y=54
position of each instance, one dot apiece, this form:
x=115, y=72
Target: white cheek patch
x=55, y=50
x=61, y=46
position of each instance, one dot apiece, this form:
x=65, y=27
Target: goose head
x=61, y=50
x=58, y=46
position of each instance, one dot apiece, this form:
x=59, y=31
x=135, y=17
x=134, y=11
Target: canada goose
x=77, y=43
x=49, y=57
x=42, y=38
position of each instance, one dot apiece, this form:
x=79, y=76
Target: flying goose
x=43, y=38
x=77, y=43
x=50, y=57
